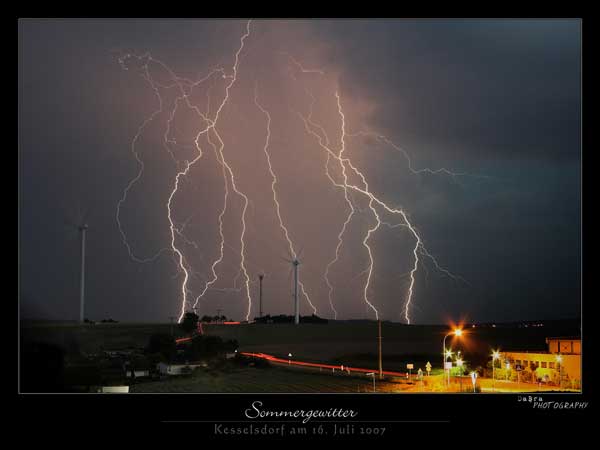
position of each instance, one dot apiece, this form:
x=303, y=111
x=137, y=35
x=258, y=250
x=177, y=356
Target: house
x=177, y=368
x=137, y=373
x=114, y=389
x=564, y=345
x=562, y=361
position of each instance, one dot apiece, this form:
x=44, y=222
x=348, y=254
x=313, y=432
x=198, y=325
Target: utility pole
x=260, y=310
x=172, y=318
x=219, y=313
x=82, y=229
x=380, y=358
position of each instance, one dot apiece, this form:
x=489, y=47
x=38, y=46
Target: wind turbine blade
x=86, y=215
x=68, y=223
x=290, y=254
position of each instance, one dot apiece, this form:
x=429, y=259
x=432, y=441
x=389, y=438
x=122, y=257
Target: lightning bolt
x=140, y=162
x=373, y=202
x=186, y=86
x=407, y=156
x=340, y=186
x=340, y=170
x=230, y=171
x=274, y=181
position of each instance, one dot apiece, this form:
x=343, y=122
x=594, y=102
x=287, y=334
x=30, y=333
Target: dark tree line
x=282, y=318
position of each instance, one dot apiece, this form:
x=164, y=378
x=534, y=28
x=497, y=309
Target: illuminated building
x=562, y=360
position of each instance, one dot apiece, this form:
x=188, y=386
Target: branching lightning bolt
x=344, y=176
x=274, y=180
x=211, y=126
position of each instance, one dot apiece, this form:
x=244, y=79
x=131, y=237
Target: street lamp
x=559, y=362
x=495, y=356
x=372, y=374
x=459, y=363
x=447, y=353
x=289, y=358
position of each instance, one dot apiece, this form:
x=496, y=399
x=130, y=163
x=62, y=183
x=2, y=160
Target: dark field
x=74, y=338
x=272, y=379
x=355, y=343
x=350, y=343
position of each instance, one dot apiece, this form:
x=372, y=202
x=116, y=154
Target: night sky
x=497, y=100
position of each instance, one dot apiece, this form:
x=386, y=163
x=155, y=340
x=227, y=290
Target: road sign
x=428, y=367
x=474, y=380
x=448, y=365
x=410, y=366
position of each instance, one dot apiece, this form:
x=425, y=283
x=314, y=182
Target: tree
x=190, y=322
x=209, y=347
x=163, y=345
x=206, y=318
x=42, y=367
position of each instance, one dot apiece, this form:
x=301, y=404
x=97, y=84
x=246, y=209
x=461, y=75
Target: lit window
x=551, y=365
x=518, y=361
x=544, y=365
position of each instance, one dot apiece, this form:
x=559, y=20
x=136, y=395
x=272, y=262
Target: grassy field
x=73, y=337
x=273, y=379
x=355, y=343
x=349, y=343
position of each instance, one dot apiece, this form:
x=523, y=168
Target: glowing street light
x=459, y=363
x=559, y=362
x=289, y=358
x=447, y=353
x=495, y=356
x=372, y=374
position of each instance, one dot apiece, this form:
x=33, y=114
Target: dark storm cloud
x=496, y=98
x=473, y=89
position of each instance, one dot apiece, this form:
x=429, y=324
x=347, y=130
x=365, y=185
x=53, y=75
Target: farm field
x=350, y=343
x=263, y=380
x=337, y=343
x=355, y=343
x=73, y=337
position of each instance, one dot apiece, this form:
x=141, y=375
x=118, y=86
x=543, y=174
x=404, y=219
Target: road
x=500, y=386
x=292, y=362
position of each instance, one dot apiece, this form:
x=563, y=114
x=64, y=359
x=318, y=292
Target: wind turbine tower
x=260, y=309
x=296, y=263
x=82, y=229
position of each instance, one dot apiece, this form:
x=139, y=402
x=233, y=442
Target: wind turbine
x=80, y=222
x=82, y=229
x=260, y=292
x=295, y=263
